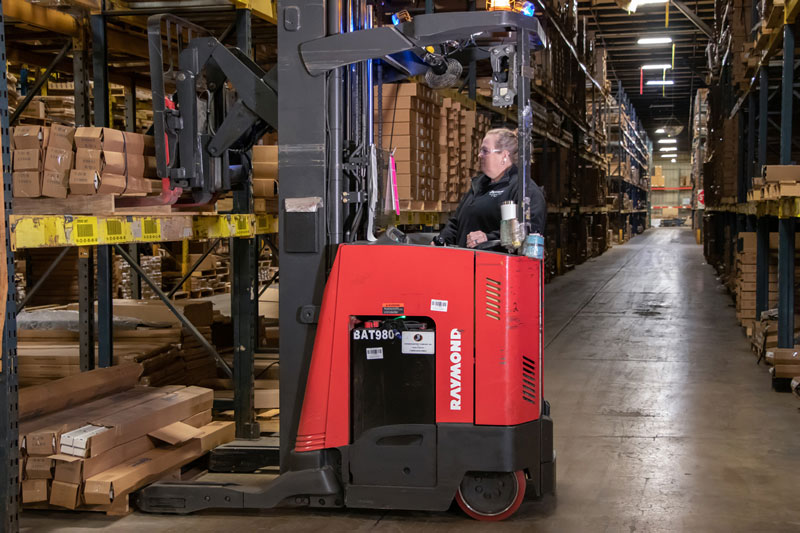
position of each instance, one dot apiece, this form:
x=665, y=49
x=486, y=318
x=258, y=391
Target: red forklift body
x=487, y=312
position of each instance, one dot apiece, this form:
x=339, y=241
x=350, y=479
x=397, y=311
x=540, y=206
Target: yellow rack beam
x=263, y=9
x=43, y=231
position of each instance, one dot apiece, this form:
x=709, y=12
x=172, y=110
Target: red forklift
x=410, y=374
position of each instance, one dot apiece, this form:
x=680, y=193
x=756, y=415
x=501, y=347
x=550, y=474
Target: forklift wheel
x=491, y=496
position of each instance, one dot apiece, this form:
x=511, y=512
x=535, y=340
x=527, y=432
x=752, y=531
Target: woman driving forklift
x=477, y=218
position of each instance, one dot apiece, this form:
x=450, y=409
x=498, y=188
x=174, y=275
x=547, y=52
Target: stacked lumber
x=265, y=397
x=47, y=355
x=96, y=438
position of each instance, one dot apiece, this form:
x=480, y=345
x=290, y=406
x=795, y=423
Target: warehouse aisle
x=663, y=421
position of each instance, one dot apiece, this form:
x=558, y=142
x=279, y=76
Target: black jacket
x=479, y=210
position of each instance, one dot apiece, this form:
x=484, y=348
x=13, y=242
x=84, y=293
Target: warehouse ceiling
x=618, y=31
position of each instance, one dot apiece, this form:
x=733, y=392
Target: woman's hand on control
x=475, y=238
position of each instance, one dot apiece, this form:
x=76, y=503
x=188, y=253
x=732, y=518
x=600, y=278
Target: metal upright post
x=80, y=70
x=9, y=414
x=786, y=226
x=751, y=140
x=763, y=118
x=105, y=312
x=302, y=104
x=762, y=266
x=762, y=237
x=523, y=127
x=244, y=306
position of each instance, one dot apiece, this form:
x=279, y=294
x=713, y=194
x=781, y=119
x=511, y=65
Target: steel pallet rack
x=752, y=109
x=629, y=142
x=248, y=232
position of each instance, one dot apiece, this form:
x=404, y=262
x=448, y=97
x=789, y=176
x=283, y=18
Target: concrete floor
x=663, y=422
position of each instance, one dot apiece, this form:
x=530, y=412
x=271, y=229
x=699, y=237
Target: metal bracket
x=504, y=74
x=354, y=197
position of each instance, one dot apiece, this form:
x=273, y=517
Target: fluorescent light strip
x=654, y=40
x=663, y=66
x=668, y=149
x=667, y=141
x=660, y=130
x=668, y=155
x=660, y=82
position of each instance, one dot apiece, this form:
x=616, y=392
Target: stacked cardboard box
x=42, y=158
x=658, y=177
x=113, y=162
x=93, y=444
x=407, y=125
x=265, y=171
x=746, y=278
x=450, y=177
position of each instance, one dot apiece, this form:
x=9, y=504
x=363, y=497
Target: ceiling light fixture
x=667, y=156
x=668, y=149
x=660, y=82
x=657, y=66
x=654, y=40
x=660, y=130
x=673, y=160
x=667, y=141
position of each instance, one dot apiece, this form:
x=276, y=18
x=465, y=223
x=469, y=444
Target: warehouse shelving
x=727, y=216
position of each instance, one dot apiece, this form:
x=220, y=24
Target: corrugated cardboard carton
x=265, y=188
x=35, y=490
x=55, y=184
x=27, y=159
x=65, y=494
x=39, y=468
x=27, y=184
x=146, y=468
x=84, y=182
x=30, y=137
x=61, y=137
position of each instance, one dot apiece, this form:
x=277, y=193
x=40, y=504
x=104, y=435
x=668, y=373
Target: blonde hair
x=506, y=140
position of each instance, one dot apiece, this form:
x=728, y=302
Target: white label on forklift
x=419, y=342
x=375, y=353
x=439, y=305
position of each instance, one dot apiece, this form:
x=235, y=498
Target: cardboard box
x=265, y=170
x=100, y=139
x=150, y=466
x=106, y=432
x=84, y=182
x=112, y=184
x=777, y=173
x=30, y=137
x=55, y=184
x=27, y=159
x=134, y=143
x=265, y=188
x=65, y=494
x=27, y=184
x=35, y=490
x=40, y=436
x=89, y=159
x=61, y=137
x=71, y=469
x=58, y=160
x=64, y=393
x=39, y=468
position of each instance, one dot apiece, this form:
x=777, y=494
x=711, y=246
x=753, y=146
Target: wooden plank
x=264, y=398
x=93, y=204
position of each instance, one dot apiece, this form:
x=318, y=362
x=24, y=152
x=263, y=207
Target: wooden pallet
x=96, y=204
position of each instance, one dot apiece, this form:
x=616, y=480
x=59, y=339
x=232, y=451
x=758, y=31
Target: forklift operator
x=477, y=218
